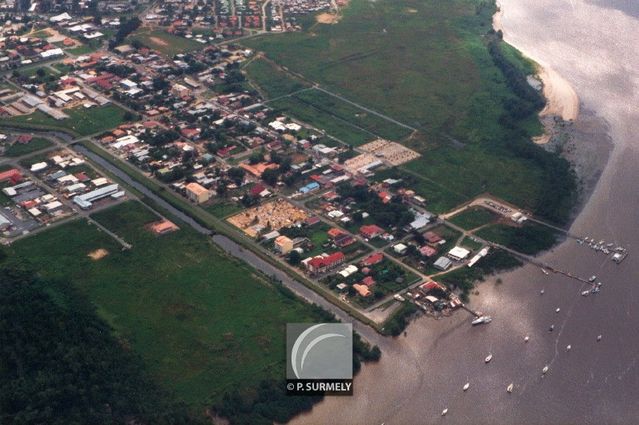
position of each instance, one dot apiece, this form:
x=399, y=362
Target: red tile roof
x=12, y=174
x=372, y=259
x=328, y=261
x=370, y=230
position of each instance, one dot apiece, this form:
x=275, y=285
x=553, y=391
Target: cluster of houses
x=23, y=50
x=67, y=175
x=225, y=18
x=31, y=204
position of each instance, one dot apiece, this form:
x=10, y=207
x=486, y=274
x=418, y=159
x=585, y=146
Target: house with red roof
x=24, y=139
x=368, y=281
x=257, y=189
x=12, y=175
x=372, y=259
x=324, y=263
x=385, y=197
x=427, y=251
x=370, y=231
x=190, y=133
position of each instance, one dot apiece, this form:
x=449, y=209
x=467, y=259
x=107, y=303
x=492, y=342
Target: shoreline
x=561, y=99
x=564, y=121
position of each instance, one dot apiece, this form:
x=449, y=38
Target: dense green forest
x=60, y=364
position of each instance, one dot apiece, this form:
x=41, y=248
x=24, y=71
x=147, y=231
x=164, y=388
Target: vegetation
x=392, y=214
x=81, y=121
x=19, y=149
x=400, y=319
x=440, y=68
x=176, y=310
x=127, y=26
x=530, y=239
x=472, y=218
x=469, y=243
x=60, y=363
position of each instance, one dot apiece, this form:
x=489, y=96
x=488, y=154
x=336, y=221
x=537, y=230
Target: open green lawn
x=163, y=42
x=222, y=209
x=84, y=49
x=32, y=71
x=36, y=144
x=203, y=323
x=272, y=81
x=429, y=64
x=530, y=238
x=81, y=121
x=467, y=242
x=62, y=68
x=472, y=218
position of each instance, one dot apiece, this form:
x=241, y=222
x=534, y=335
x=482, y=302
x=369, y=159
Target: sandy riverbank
x=561, y=99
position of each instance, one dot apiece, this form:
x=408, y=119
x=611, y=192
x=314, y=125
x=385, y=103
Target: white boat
x=599, y=338
x=551, y=328
x=545, y=271
x=542, y=292
x=481, y=320
x=488, y=358
x=558, y=310
x=510, y=387
x=444, y=412
x=568, y=347
x=466, y=386
x=545, y=369
x=526, y=338
x=592, y=278
x=585, y=293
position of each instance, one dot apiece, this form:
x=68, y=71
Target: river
x=592, y=44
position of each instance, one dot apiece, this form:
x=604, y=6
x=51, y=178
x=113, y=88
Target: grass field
x=530, y=239
x=467, y=242
x=223, y=209
x=202, y=323
x=81, y=121
x=36, y=144
x=84, y=49
x=428, y=64
x=165, y=43
x=33, y=70
x=473, y=218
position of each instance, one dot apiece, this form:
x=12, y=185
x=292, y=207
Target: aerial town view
x=197, y=197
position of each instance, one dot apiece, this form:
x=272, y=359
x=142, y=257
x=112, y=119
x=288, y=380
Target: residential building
x=324, y=263
x=370, y=231
x=458, y=253
x=443, y=263
x=283, y=244
x=197, y=193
